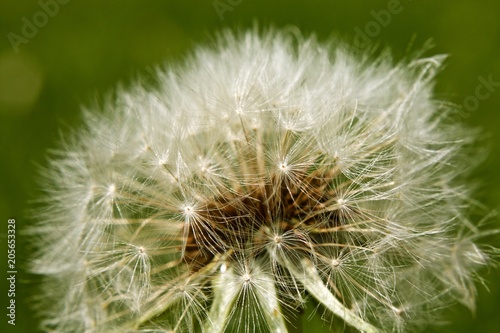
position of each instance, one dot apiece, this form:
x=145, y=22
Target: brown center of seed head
x=247, y=221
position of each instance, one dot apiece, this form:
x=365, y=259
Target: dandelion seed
x=336, y=262
x=265, y=172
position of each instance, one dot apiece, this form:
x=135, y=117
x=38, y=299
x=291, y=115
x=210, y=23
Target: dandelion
x=264, y=172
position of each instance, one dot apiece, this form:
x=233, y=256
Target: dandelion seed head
x=336, y=262
x=188, y=210
x=111, y=189
x=264, y=172
x=246, y=277
x=277, y=239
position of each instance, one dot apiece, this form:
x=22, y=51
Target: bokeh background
x=56, y=55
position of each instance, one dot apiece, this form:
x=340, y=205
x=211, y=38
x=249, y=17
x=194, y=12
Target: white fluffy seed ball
x=262, y=171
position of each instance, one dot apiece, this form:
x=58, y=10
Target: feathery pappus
x=264, y=171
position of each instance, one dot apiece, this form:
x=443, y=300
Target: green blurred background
x=53, y=59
